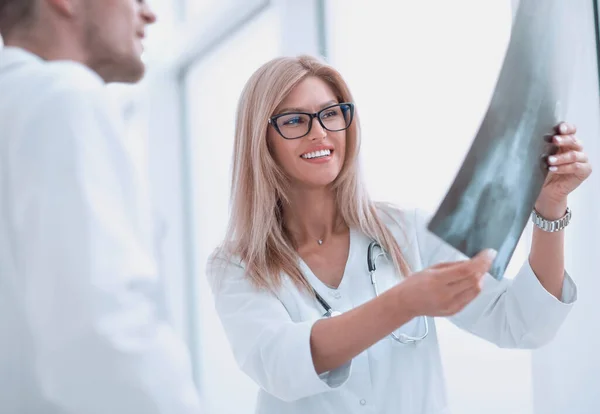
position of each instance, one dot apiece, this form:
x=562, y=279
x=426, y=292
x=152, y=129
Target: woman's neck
x=312, y=216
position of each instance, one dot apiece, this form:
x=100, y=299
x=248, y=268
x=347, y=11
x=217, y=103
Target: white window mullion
x=300, y=27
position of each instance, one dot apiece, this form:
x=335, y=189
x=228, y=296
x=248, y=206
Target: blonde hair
x=256, y=234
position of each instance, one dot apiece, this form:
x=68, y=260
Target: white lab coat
x=270, y=334
x=80, y=329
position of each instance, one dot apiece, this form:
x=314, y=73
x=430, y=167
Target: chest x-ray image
x=491, y=199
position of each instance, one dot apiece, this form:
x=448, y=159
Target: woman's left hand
x=568, y=168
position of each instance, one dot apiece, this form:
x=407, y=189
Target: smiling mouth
x=316, y=154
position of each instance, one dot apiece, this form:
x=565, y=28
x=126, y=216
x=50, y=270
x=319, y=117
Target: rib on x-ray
x=493, y=194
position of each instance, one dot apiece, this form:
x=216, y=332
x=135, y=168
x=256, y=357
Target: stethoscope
x=371, y=262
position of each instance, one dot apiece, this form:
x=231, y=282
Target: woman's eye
x=330, y=113
x=293, y=121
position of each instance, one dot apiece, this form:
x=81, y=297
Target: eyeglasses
x=293, y=125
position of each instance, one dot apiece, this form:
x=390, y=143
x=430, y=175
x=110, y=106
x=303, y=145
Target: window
x=421, y=102
x=204, y=9
x=212, y=87
x=597, y=26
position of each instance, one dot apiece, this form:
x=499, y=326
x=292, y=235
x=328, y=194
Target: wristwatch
x=548, y=225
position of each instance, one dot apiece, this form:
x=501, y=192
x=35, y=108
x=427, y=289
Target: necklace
x=319, y=241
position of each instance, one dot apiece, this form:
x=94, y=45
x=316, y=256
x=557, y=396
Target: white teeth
x=317, y=154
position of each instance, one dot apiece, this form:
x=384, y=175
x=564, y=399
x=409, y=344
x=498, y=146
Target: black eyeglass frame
x=273, y=119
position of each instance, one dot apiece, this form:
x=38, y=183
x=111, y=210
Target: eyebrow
x=325, y=105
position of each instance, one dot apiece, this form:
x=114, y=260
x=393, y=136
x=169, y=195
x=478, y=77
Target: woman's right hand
x=446, y=288
x=441, y=290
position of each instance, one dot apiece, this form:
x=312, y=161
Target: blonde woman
x=292, y=284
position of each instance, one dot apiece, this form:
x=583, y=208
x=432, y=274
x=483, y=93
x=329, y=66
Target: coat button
x=363, y=402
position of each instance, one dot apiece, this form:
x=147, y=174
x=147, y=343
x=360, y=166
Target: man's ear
x=66, y=8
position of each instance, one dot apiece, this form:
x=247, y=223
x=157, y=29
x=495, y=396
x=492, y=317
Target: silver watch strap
x=551, y=225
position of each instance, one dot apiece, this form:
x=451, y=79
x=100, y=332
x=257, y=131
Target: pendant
x=320, y=242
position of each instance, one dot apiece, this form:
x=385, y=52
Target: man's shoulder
x=64, y=95
x=34, y=80
x=62, y=101
x=68, y=82
x=72, y=76
x=49, y=99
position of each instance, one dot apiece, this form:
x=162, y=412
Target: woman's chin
x=316, y=182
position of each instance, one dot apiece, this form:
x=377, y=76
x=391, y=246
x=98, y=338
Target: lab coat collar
x=11, y=56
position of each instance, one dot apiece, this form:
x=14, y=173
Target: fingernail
x=558, y=139
x=563, y=128
x=552, y=160
x=491, y=254
x=553, y=168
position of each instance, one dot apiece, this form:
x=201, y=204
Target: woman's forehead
x=311, y=94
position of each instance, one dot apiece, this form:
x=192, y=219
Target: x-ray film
x=491, y=199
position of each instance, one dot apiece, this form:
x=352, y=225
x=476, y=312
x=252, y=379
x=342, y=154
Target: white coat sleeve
x=516, y=313
x=87, y=275
x=268, y=346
